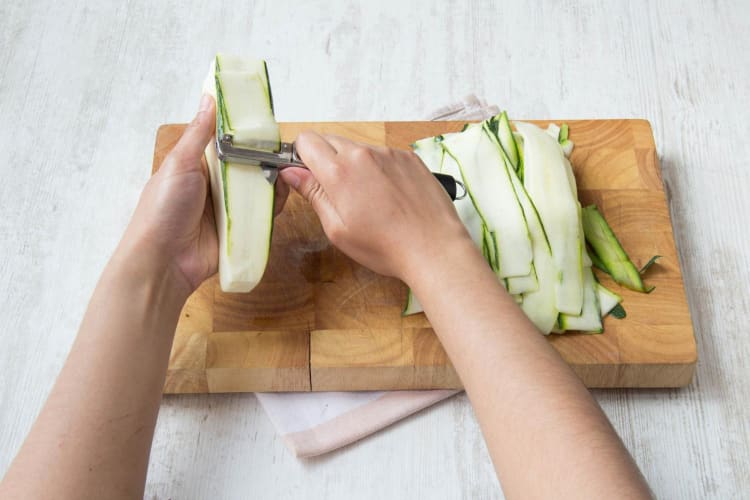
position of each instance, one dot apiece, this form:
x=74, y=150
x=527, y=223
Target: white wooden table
x=84, y=86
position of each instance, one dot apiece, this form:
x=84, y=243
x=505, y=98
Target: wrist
x=441, y=262
x=146, y=266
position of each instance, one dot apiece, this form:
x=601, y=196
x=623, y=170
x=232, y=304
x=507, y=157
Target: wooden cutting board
x=320, y=322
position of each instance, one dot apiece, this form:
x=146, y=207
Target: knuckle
x=339, y=164
x=333, y=137
x=411, y=156
x=362, y=154
x=340, y=167
x=395, y=156
x=304, y=143
x=303, y=138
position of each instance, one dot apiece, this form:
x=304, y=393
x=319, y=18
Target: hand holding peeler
x=286, y=156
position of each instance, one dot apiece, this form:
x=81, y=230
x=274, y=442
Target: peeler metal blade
x=277, y=156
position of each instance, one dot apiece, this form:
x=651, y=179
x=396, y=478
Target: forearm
x=541, y=425
x=93, y=436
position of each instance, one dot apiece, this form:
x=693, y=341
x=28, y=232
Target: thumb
x=188, y=151
x=305, y=183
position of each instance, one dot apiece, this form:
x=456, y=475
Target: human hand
x=174, y=220
x=380, y=206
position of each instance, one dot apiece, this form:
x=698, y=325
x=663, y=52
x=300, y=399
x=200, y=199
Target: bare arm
x=547, y=436
x=93, y=436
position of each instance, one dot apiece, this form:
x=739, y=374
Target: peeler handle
x=450, y=184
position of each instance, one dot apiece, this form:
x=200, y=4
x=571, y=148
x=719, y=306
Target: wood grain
x=318, y=321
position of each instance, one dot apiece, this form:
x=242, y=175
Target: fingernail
x=205, y=103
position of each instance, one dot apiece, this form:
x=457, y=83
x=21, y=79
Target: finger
x=188, y=152
x=304, y=182
x=383, y=150
x=282, y=193
x=341, y=144
x=317, y=153
x=358, y=153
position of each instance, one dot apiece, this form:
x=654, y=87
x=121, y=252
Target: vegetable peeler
x=286, y=156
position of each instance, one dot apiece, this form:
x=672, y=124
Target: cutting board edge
x=593, y=376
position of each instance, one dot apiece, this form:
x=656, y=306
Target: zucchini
x=554, y=131
x=500, y=126
x=243, y=198
x=523, y=284
x=564, y=132
x=609, y=251
x=608, y=299
x=466, y=212
x=523, y=197
x=590, y=319
x=430, y=152
x=567, y=147
x=648, y=264
x=519, y=145
x=595, y=260
x=549, y=182
x=489, y=245
x=565, y=143
x=412, y=305
x=618, y=312
x=539, y=305
x=489, y=187
x=244, y=105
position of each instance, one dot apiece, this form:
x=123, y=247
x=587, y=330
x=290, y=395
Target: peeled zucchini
x=609, y=251
x=539, y=305
x=551, y=186
x=486, y=179
x=243, y=197
x=590, y=319
x=466, y=211
x=500, y=126
x=430, y=152
x=523, y=195
x=412, y=305
x=608, y=299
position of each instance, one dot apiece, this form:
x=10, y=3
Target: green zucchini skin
x=412, y=305
x=564, y=131
x=500, y=126
x=618, y=312
x=596, y=261
x=609, y=252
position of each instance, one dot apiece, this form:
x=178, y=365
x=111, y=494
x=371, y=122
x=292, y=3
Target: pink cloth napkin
x=313, y=423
